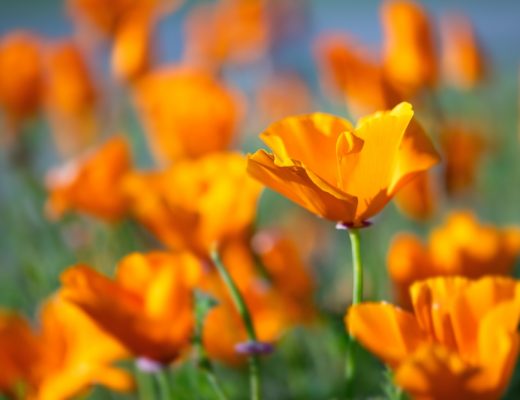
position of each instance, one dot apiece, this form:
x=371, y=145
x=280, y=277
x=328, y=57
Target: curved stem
x=240, y=305
x=164, y=384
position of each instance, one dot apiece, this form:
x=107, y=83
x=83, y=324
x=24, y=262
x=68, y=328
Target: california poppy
x=57, y=361
x=186, y=113
x=233, y=31
x=464, y=63
x=327, y=166
x=460, y=341
x=91, y=183
x=417, y=199
x=195, y=203
x=410, y=57
x=21, y=77
x=462, y=246
x=70, y=98
x=356, y=74
x=148, y=307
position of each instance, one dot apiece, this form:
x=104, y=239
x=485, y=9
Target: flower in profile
x=92, y=183
x=462, y=246
x=70, y=98
x=418, y=198
x=195, y=203
x=148, y=307
x=58, y=361
x=460, y=341
x=462, y=149
x=69, y=363
x=234, y=31
x=21, y=77
x=327, y=166
x=410, y=58
x=356, y=75
x=463, y=61
x=186, y=113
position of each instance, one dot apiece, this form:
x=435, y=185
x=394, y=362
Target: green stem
x=240, y=305
x=164, y=384
x=357, y=296
x=144, y=385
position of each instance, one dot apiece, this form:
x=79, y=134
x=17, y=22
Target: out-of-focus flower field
x=259, y=199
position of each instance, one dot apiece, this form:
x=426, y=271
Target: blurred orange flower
x=461, y=341
x=462, y=246
x=356, y=75
x=327, y=166
x=91, y=183
x=105, y=17
x=196, y=202
x=19, y=348
x=21, y=78
x=186, y=113
x=70, y=97
x=59, y=362
x=70, y=364
x=462, y=150
x=148, y=307
x=132, y=48
x=464, y=64
x=410, y=57
x=226, y=31
x=418, y=198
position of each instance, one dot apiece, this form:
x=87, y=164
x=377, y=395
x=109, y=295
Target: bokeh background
x=34, y=250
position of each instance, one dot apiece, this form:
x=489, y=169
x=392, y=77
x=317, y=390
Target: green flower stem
x=144, y=385
x=240, y=305
x=357, y=297
x=203, y=362
x=162, y=377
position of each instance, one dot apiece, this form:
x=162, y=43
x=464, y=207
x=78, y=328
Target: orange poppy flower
x=132, y=48
x=70, y=98
x=327, y=166
x=410, y=57
x=356, y=75
x=227, y=31
x=148, y=307
x=460, y=342
x=185, y=113
x=462, y=149
x=196, y=202
x=105, y=16
x=21, y=78
x=462, y=246
x=464, y=64
x=91, y=183
x=19, y=348
x=418, y=198
x=59, y=362
x=69, y=363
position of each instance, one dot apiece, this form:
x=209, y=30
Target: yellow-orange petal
x=387, y=331
x=303, y=187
